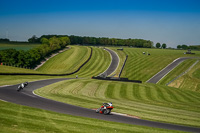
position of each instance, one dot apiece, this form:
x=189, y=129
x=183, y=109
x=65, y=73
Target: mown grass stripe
x=123, y=91
x=136, y=93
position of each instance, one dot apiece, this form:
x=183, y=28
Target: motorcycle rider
x=106, y=105
x=22, y=85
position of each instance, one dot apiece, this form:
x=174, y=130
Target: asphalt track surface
x=156, y=78
x=27, y=98
x=114, y=63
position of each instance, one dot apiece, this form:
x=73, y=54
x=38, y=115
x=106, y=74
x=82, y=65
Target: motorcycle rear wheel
x=107, y=111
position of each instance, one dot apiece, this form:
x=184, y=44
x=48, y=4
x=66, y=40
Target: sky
x=174, y=22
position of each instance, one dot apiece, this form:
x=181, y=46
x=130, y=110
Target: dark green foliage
x=158, y=45
x=4, y=40
x=104, y=41
x=111, y=41
x=33, y=56
x=33, y=39
x=185, y=47
x=164, y=46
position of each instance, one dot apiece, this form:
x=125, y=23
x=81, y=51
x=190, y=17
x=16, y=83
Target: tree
x=54, y=43
x=44, y=41
x=64, y=41
x=184, y=47
x=158, y=45
x=179, y=47
x=164, y=45
x=33, y=39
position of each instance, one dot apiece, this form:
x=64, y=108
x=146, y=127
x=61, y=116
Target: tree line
x=103, y=41
x=185, y=47
x=32, y=57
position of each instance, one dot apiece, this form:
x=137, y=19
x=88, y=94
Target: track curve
x=28, y=98
x=156, y=78
x=114, y=63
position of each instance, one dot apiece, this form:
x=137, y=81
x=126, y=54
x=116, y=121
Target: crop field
x=67, y=61
x=18, y=46
x=143, y=67
x=147, y=101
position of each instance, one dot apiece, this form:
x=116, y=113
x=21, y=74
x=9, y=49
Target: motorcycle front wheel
x=97, y=111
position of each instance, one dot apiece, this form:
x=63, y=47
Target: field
x=67, y=61
x=156, y=102
x=143, y=67
x=190, y=80
x=99, y=62
x=18, y=46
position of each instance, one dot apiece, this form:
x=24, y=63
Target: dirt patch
x=176, y=83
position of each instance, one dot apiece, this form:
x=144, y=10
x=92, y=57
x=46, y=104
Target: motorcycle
x=21, y=86
x=105, y=108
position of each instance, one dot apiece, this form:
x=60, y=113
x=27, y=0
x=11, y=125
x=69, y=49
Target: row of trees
x=4, y=40
x=111, y=41
x=33, y=56
x=185, y=47
x=158, y=45
x=99, y=41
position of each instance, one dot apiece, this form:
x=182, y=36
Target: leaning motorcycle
x=21, y=86
x=105, y=108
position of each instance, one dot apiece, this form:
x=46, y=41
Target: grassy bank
x=148, y=101
x=190, y=80
x=177, y=71
x=142, y=67
x=11, y=69
x=67, y=61
x=17, y=118
x=99, y=62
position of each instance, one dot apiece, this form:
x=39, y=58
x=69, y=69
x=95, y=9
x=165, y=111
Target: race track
x=156, y=78
x=27, y=98
x=114, y=63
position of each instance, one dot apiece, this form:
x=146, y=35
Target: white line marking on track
x=28, y=94
x=3, y=100
x=162, y=70
x=5, y=86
